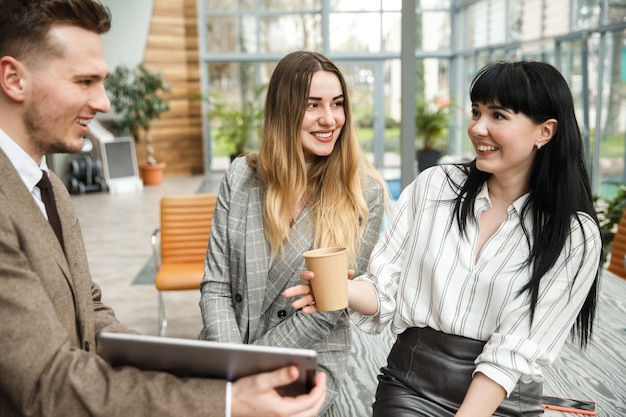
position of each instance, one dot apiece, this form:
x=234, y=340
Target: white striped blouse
x=428, y=275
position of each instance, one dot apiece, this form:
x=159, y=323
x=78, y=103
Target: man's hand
x=256, y=396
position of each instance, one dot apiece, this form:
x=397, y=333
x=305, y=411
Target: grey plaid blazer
x=241, y=301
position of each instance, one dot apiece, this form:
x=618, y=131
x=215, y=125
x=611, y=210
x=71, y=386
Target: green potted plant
x=609, y=213
x=431, y=123
x=236, y=126
x=136, y=95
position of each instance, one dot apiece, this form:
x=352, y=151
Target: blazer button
x=238, y=298
x=282, y=314
x=87, y=346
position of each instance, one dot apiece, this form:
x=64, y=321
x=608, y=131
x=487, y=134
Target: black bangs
x=504, y=83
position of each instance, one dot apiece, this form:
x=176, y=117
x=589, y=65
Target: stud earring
x=538, y=146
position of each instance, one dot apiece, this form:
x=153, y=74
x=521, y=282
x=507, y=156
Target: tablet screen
x=201, y=358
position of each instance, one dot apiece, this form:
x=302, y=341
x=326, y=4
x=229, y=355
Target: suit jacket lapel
x=33, y=216
x=285, y=270
x=257, y=249
x=261, y=294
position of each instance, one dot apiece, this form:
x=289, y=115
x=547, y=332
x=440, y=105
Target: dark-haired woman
x=486, y=267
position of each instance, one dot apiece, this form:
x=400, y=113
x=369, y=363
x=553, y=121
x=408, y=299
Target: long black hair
x=559, y=185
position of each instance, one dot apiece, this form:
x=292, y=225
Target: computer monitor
x=120, y=164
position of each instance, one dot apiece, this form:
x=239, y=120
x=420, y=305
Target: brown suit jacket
x=50, y=312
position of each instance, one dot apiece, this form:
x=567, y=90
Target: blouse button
x=282, y=314
x=238, y=298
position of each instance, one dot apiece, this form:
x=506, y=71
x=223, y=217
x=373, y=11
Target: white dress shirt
x=427, y=274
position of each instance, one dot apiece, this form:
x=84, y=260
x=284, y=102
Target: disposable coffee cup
x=330, y=285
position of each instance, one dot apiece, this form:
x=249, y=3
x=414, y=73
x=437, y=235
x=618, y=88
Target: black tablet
x=201, y=358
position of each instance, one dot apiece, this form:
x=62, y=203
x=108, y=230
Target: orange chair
x=179, y=245
x=617, y=262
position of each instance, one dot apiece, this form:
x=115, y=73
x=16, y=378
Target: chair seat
x=179, y=276
x=179, y=245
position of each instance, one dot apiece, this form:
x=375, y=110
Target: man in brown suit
x=51, y=86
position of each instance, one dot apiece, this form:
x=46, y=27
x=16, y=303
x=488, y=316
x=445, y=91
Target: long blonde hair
x=334, y=184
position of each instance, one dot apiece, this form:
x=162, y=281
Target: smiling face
x=324, y=116
x=505, y=142
x=65, y=93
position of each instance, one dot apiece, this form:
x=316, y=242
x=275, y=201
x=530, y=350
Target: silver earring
x=538, y=146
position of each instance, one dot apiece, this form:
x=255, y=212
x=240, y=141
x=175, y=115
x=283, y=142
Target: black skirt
x=428, y=373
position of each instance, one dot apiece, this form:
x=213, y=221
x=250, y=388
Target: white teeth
x=485, y=148
x=323, y=135
x=83, y=122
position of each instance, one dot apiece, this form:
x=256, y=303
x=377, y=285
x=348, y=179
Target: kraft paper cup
x=330, y=285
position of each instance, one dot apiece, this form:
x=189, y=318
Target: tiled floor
x=116, y=229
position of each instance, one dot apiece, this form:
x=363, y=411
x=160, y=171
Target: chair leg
x=162, y=317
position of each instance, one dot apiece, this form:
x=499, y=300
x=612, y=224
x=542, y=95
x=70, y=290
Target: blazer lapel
x=257, y=249
x=286, y=269
x=33, y=216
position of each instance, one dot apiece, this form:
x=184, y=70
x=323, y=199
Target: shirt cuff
x=228, y=398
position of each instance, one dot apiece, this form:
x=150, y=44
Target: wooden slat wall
x=618, y=249
x=172, y=49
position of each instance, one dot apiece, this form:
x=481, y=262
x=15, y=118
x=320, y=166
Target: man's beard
x=34, y=119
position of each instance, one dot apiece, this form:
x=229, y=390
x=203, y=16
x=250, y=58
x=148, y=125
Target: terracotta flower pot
x=152, y=174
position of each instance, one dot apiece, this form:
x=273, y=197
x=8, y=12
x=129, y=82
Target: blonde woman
x=309, y=186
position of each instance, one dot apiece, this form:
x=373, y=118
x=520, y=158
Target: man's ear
x=11, y=82
x=548, y=129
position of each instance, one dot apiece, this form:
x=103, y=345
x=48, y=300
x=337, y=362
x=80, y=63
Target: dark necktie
x=47, y=196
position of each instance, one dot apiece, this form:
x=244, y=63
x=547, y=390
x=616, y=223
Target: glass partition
x=242, y=40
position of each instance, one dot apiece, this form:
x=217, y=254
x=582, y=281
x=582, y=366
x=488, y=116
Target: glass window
x=460, y=112
x=283, y=33
x=355, y=5
x=365, y=5
x=434, y=4
x=436, y=80
x=435, y=31
x=616, y=12
x=230, y=34
x=498, y=21
x=608, y=121
x=365, y=32
x=514, y=27
x=586, y=14
x=497, y=54
x=264, y=5
x=231, y=82
x=391, y=37
x=554, y=22
x=232, y=5
x=477, y=26
x=493, y=22
x=484, y=30
x=234, y=103
x=360, y=82
x=394, y=5
x=290, y=5
x=355, y=32
x=573, y=69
